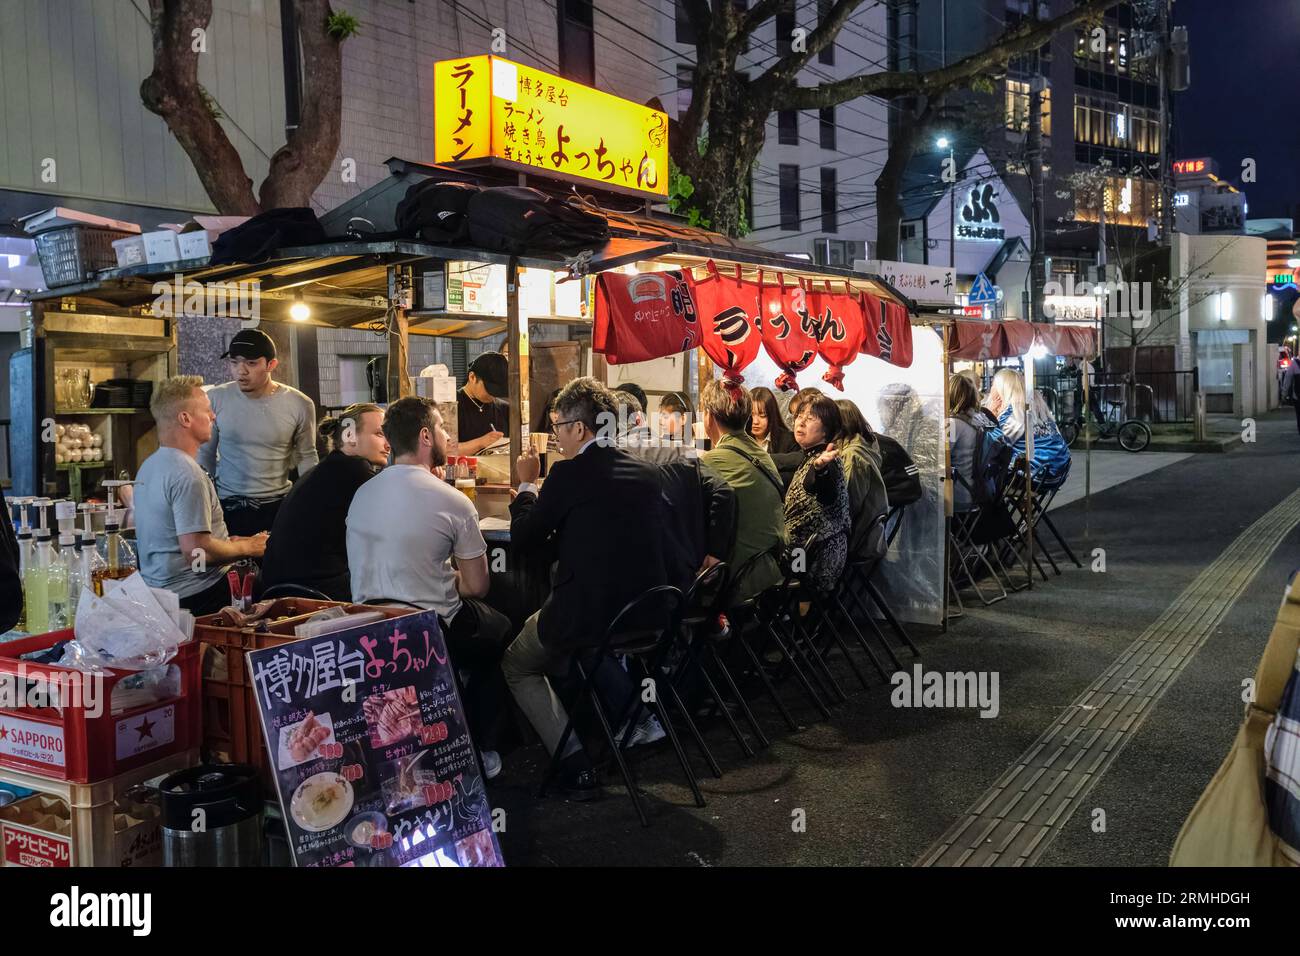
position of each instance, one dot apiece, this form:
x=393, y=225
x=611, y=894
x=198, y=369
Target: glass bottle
x=56, y=585
x=36, y=582
x=70, y=554
x=92, y=565
x=24, y=561
x=119, y=558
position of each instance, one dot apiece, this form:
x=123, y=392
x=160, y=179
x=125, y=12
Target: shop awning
x=981, y=341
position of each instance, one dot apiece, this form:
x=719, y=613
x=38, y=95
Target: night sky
x=1242, y=99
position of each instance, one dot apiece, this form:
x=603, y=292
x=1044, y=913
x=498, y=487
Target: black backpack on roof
x=901, y=474
x=436, y=211
x=519, y=220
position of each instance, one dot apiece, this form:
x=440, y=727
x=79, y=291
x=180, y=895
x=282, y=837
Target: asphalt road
x=876, y=785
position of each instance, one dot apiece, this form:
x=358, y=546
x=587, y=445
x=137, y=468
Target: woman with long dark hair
x=766, y=424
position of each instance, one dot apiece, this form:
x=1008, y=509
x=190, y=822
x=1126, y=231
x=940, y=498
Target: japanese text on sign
x=489, y=108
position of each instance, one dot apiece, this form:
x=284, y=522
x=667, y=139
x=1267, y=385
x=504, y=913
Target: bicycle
x=1134, y=434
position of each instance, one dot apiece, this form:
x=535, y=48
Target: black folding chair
x=702, y=660
x=749, y=616
x=860, y=575
x=644, y=633
x=965, y=529
x=1044, y=494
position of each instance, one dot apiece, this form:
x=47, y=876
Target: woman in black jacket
x=308, y=542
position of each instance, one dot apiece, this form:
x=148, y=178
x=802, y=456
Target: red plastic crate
x=75, y=746
x=232, y=729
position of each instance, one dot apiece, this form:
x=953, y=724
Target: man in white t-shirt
x=406, y=526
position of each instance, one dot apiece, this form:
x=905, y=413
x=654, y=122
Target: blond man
x=180, y=531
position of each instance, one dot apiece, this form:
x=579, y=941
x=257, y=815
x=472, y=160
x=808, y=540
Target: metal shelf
x=69, y=465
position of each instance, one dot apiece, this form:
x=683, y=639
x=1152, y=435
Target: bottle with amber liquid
x=119, y=558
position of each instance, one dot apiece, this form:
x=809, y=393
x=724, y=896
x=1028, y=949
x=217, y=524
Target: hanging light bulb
x=300, y=311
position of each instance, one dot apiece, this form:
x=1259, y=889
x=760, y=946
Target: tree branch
x=172, y=91
x=1029, y=35
x=786, y=70
x=759, y=14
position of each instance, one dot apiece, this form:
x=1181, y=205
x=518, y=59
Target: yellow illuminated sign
x=505, y=113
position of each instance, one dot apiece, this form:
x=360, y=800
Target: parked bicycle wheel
x=1070, y=432
x=1134, y=435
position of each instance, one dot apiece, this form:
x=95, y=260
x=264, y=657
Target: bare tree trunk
x=889, y=184
x=300, y=165
x=173, y=92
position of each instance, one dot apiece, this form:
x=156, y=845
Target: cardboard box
x=130, y=251
x=196, y=244
x=161, y=246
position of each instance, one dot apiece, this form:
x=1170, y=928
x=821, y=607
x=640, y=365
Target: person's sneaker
x=581, y=785
x=491, y=763
x=648, y=731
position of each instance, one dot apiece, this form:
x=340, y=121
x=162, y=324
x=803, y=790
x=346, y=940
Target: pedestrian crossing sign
x=982, y=291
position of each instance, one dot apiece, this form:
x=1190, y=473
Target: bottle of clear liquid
x=24, y=561
x=119, y=558
x=56, y=584
x=36, y=583
x=70, y=555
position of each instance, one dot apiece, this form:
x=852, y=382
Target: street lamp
x=943, y=142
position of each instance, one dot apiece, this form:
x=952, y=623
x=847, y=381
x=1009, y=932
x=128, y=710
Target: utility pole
x=1037, y=253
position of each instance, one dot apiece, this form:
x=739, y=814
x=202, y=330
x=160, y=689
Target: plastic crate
x=96, y=831
x=232, y=729
x=72, y=744
x=72, y=254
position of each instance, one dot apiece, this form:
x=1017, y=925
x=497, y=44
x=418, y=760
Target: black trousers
x=476, y=638
x=210, y=600
x=1297, y=414
x=244, y=518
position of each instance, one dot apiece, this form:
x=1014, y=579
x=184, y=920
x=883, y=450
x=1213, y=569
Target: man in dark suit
x=605, y=512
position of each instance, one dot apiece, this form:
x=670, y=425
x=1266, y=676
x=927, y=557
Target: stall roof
x=345, y=280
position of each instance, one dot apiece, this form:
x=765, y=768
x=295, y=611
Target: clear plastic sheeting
x=129, y=628
x=907, y=404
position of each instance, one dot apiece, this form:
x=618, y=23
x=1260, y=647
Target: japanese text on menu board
x=489, y=108
x=369, y=743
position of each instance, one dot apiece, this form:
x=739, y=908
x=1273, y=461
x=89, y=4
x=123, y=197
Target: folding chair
x=1044, y=495
x=703, y=601
x=644, y=632
x=749, y=616
x=859, y=575
x=968, y=552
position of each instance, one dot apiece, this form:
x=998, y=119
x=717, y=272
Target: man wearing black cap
x=264, y=428
x=482, y=419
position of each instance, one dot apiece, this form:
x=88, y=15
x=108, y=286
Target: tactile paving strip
x=1017, y=819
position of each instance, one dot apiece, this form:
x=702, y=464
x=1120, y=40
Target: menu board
x=371, y=751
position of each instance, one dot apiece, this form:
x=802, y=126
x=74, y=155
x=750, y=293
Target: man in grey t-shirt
x=180, y=532
x=264, y=428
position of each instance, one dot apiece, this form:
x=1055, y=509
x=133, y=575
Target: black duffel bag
x=436, y=211
x=519, y=220
x=256, y=239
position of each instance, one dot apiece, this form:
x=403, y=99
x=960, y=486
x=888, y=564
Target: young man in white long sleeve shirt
x=264, y=429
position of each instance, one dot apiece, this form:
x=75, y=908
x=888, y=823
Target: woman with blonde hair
x=1007, y=401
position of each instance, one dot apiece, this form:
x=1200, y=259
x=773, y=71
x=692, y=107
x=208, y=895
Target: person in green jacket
x=742, y=463
x=860, y=453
